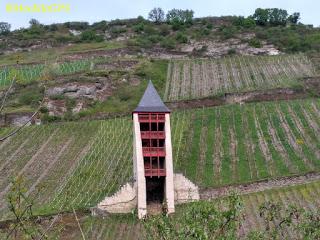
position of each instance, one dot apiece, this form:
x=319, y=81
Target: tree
x=34, y=22
x=180, y=16
x=261, y=16
x=4, y=28
x=156, y=15
x=294, y=18
x=277, y=16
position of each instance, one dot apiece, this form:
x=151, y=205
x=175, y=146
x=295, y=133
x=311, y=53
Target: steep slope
x=78, y=164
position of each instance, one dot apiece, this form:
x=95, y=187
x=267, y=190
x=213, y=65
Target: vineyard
x=74, y=164
x=234, y=143
x=27, y=74
x=127, y=227
x=193, y=79
x=77, y=164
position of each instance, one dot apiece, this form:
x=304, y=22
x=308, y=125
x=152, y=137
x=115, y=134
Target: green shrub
x=155, y=38
x=177, y=25
x=117, y=30
x=243, y=22
x=138, y=28
x=46, y=118
x=31, y=97
x=181, y=37
x=256, y=43
x=164, y=30
x=228, y=32
x=64, y=39
x=44, y=109
x=168, y=43
x=232, y=51
x=204, y=32
x=209, y=26
x=148, y=29
x=89, y=35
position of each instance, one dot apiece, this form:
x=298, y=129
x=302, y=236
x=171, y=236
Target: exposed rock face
x=184, y=189
x=56, y=107
x=16, y=119
x=75, y=32
x=124, y=201
x=116, y=65
x=75, y=90
x=217, y=48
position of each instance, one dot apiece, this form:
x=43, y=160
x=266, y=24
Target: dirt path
x=246, y=97
x=213, y=193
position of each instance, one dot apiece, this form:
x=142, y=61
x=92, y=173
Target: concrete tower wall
x=169, y=166
x=139, y=168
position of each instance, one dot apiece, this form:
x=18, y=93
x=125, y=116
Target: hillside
x=245, y=115
x=75, y=165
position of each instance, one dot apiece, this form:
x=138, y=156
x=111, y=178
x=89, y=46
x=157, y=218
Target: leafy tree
x=156, y=15
x=277, y=16
x=249, y=22
x=76, y=25
x=294, y=18
x=244, y=22
x=261, y=16
x=4, y=28
x=34, y=22
x=180, y=16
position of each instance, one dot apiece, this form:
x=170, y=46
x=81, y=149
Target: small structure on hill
x=154, y=180
x=153, y=168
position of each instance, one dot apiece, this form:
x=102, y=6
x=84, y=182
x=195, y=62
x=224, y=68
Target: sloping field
x=236, y=144
x=31, y=73
x=78, y=164
x=128, y=227
x=193, y=79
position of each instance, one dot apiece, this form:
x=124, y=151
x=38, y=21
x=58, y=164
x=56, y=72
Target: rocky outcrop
x=184, y=190
x=217, y=48
x=75, y=90
x=17, y=119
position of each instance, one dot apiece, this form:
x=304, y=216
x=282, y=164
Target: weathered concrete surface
x=139, y=168
x=124, y=201
x=169, y=188
x=184, y=189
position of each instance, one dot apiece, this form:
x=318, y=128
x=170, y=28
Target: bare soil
x=246, y=97
x=213, y=193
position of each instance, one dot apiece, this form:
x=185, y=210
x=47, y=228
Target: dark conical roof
x=151, y=101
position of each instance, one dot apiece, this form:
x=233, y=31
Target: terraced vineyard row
x=304, y=196
x=78, y=164
x=74, y=164
x=234, y=144
x=192, y=79
x=127, y=226
x=32, y=73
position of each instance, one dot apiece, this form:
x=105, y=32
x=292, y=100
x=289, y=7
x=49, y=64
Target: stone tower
x=152, y=152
